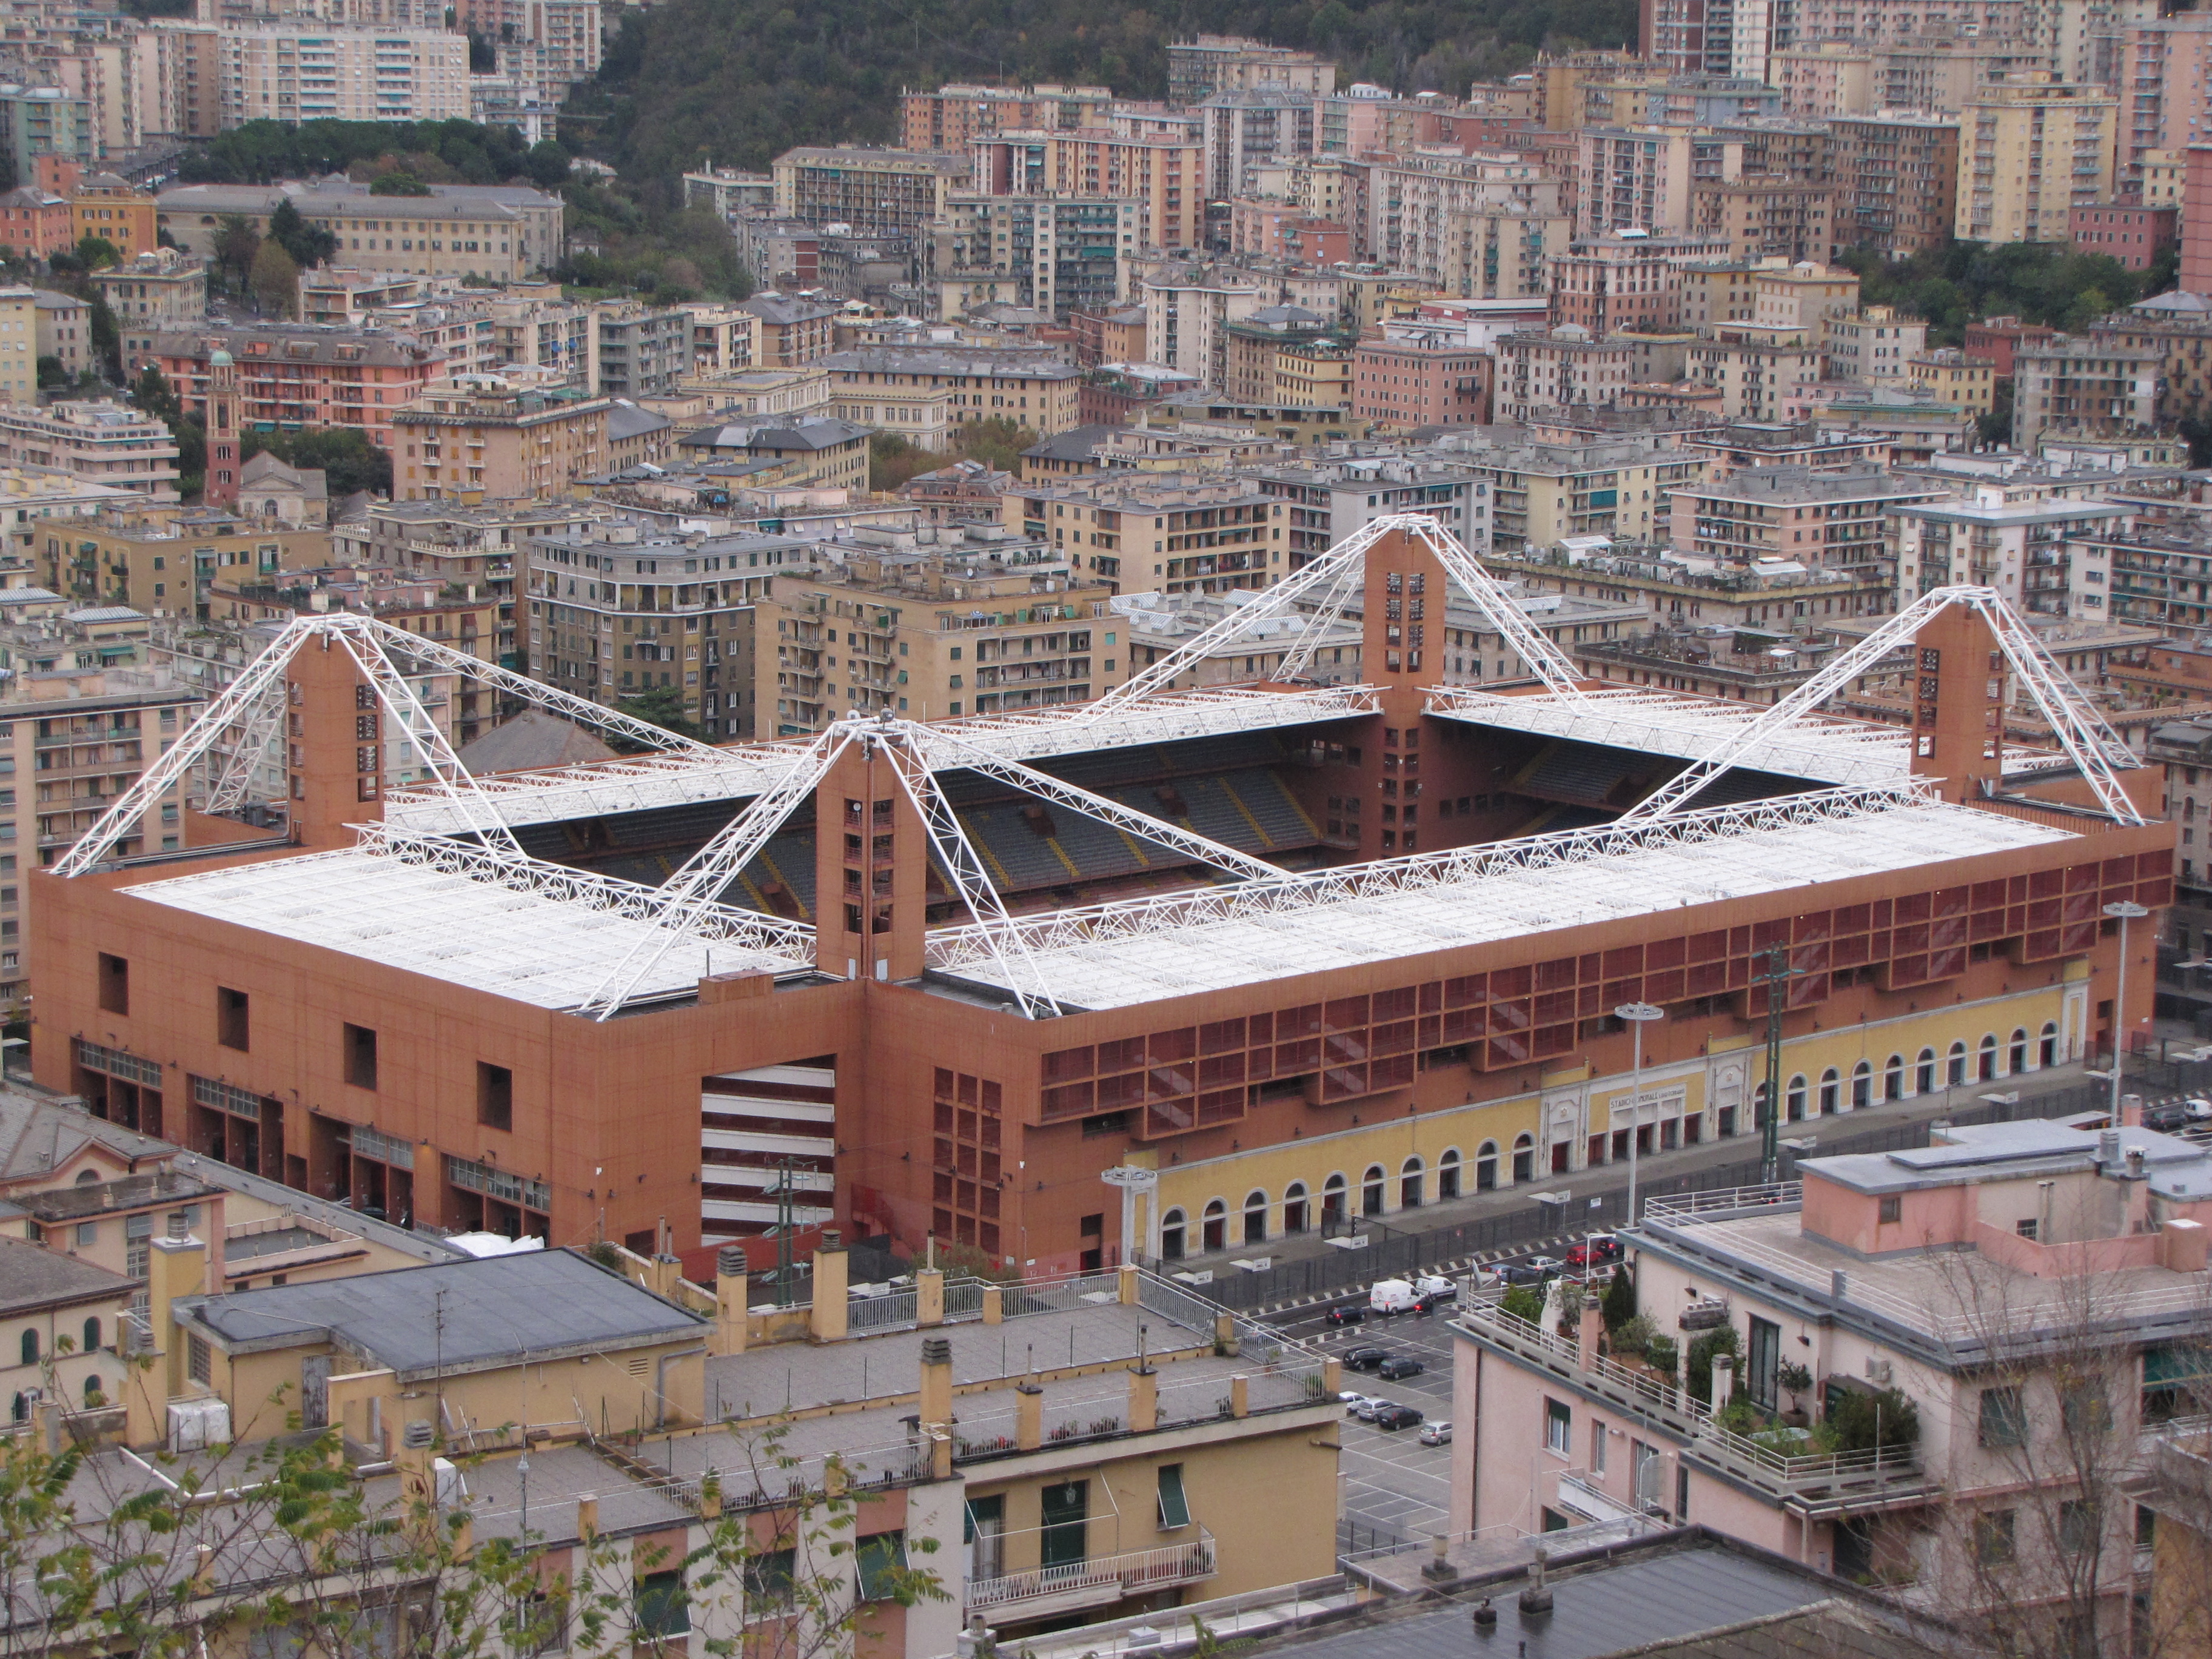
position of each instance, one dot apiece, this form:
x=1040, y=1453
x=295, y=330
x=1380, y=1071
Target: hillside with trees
x=736, y=83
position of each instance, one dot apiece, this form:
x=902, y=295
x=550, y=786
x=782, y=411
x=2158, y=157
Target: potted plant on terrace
x=1795, y=1380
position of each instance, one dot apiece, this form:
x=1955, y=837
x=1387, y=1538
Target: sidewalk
x=1656, y=1173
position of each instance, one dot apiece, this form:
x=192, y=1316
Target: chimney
x=2181, y=1245
x=416, y=1459
x=2136, y=1156
x=175, y=1267
x=830, y=1310
x=1723, y=1381
x=1537, y=1598
x=2108, y=1147
x=587, y=1516
x=936, y=1380
x=2131, y=1111
x=1240, y=1395
x=730, y=1300
x=994, y=1305
x=1586, y=1333
x=1838, y=1285
x=1144, y=1399
x=929, y=1297
x=1129, y=1283
x=1028, y=1416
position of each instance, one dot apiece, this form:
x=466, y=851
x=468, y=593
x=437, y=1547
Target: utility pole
x=784, y=1221
x=1776, y=979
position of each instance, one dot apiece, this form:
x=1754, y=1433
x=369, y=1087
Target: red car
x=1594, y=1251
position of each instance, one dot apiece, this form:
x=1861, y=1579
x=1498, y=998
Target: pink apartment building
x=1417, y=382
x=2037, y=1290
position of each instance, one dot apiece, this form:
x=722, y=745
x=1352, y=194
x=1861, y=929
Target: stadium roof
x=1114, y=955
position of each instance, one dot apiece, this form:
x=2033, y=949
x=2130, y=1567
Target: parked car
x=1392, y=1295
x=1354, y=1404
x=2198, y=1109
x=1520, y=1273
x=1436, y=1434
x=1348, y=1313
x=1435, y=1287
x=1547, y=1267
x=1367, y=1410
x=1596, y=1250
x=1365, y=1360
x=1397, y=1417
x=2166, y=1116
x=1399, y=1366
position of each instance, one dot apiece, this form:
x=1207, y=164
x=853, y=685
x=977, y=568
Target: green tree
x=349, y=459
x=152, y=393
x=548, y=164
x=51, y=374
x=398, y=183
x=97, y=253
x=236, y=243
x=661, y=706
x=997, y=442
x=894, y=459
x=275, y=278
x=308, y=245
x=1620, y=1304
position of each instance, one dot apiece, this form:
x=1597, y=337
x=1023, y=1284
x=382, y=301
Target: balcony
x=1094, y=1582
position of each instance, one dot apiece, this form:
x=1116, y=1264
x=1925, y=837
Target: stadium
x=1153, y=976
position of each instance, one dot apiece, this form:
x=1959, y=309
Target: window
x=2084, y=1411
x=770, y=1576
x=494, y=1093
x=882, y=1562
x=2004, y=1418
x=1993, y=1537
x=361, y=1056
x=230, y=1018
x=115, y=984
x=87, y=1232
x=1762, y=1365
x=1956, y=1072
x=1448, y=1177
x=91, y=1336
x=1558, y=1426
x=1597, y=1447
x=2079, y=1522
x=1175, y=1507
x=659, y=1606
x=199, y=1360
x=1892, y=1209
x=30, y=1347
x=541, y=1625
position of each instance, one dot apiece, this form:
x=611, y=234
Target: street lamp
x=2124, y=912
x=1635, y=1015
x=522, y=1469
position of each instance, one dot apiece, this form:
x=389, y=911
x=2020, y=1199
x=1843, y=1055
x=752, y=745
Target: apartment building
x=1473, y=227
x=979, y=629
x=1165, y=171
x=35, y=221
x=1255, y=345
x=2029, y=1291
x=1637, y=178
x=64, y=329
x=293, y=376
x=639, y=350
x=1209, y=64
x=793, y=332
x=1330, y=499
x=1759, y=215
x=1558, y=365
x=101, y=441
x=1875, y=344
x=1762, y=373
x=304, y=69
x=565, y=34
x=2085, y=386
x=819, y=451
x=38, y=121
x=2031, y=149
x=731, y=193
x=985, y=382
x=2132, y=232
x=1155, y=531
x=1054, y=254
x=506, y=233
x=1540, y=494
x=156, y=290
x=1956, y=377
x=945, y=120
x=485, y=439
x=1822, y=79
x=166, y=563
x=876, y=191
x=2046, y=554
x=1409, y=378
x=613, y=611
x=1896, y=179
x=1802, y=296
x=19, y=343
x=1827, y=521
x=1187, y=311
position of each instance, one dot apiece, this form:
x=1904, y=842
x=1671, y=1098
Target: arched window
x=1171, y=1226
x=1985, y=1064
x=2050, y=1043
x=1256, y=1217
x=2018, y=1056
x=1294, y=1207
x=92, y=1335
x=1447, y=1176
x=93, y=1395
x=1486, y=1167
x=1524, y=1157
x=1215, y=1232
x=30, y=1348
x=1333, y=1201
x=1409, y=1185
x=1795, y=1096
x=1861, y=1086
x=87, y=1177
x=21, y=1409
x=1371, y=1190
x=1831, y=1092
x=1924, y=1081
x=1893, y=1079
x=1956, y=1071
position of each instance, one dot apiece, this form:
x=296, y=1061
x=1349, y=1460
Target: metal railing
x=1714, y=1205
x=1130, y=1573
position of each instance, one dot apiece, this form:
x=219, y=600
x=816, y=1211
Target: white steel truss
x=1299, y=658
x=947, y=751
x=696, y=888
x=255, y=736
x=2089, y=743
x=963, y=866
x=1544, y=660
x=235, y=706
x=953, y=949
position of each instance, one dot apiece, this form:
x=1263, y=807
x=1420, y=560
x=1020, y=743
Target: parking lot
x=1391, y=1488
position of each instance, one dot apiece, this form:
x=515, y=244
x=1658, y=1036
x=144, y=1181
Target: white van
x=1392, y=1295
